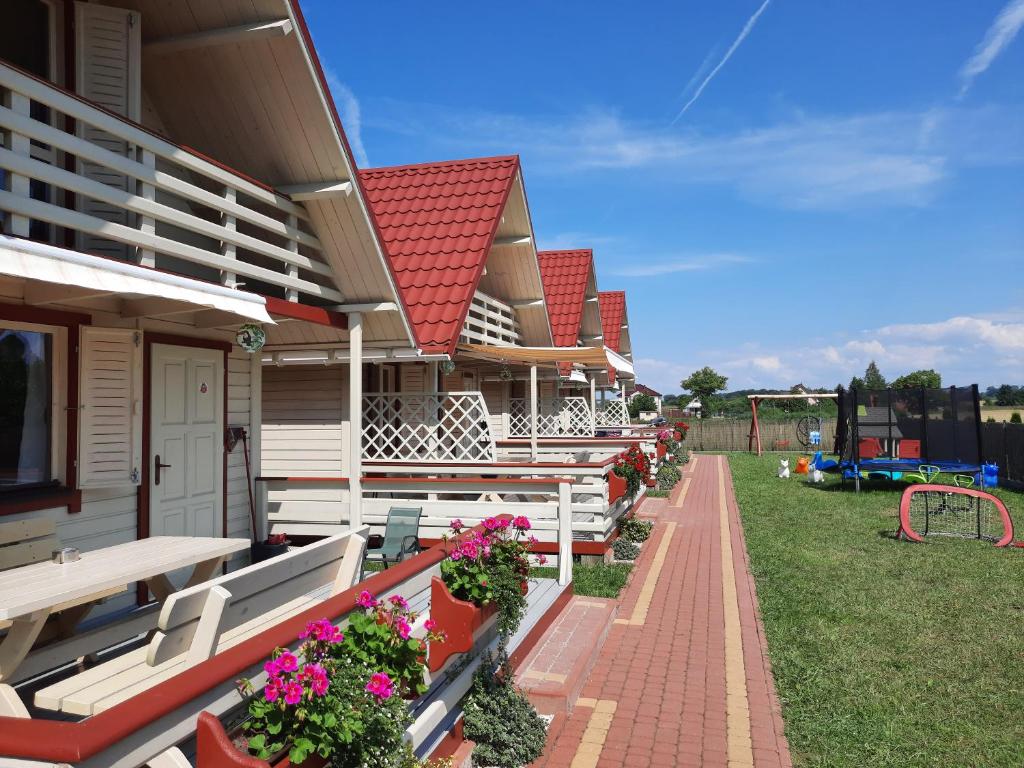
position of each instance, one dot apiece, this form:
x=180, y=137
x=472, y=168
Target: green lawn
x=605, y=580
x=885, y=653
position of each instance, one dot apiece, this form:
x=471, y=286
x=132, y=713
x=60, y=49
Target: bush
x=506, y=728
x=668, y=476
x=623, y=549
x=1015, y=417
x=635, y=530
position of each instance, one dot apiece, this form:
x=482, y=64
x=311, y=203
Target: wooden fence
x=1003, y=444
x=731, y=435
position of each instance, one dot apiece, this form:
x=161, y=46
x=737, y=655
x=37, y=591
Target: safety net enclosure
x=895, y=430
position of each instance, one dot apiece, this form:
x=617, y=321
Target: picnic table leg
x=20, y=637
x=162, y=588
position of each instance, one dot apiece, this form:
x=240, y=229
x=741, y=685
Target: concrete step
x=554, y=672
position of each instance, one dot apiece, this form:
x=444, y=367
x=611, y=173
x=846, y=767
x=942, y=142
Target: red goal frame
x=907, y=531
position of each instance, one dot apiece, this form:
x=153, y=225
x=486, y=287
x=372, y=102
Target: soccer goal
x=944, y=510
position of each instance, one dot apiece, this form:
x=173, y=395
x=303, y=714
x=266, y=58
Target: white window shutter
x=108, y=50
x=110, y=407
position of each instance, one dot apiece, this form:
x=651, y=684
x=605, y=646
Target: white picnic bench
x=202, y=620
x=30, y=594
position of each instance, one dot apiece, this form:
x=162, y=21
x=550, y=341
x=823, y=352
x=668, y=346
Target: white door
x=186, y=446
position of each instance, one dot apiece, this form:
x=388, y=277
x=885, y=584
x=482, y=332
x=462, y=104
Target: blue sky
x=847, y=185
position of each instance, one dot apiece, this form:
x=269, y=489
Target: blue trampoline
x=890, y=434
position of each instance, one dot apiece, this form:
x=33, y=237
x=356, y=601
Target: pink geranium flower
x=430, y=625
x=293, y=693
x=456, y=555
x=521, y=523
x=403, y=628
x=366, y=600
x=542, y=559
x=272, y=668
x=490, y=523
x=271, y=692
x=457, y=525
x=316, y=675
x=287, y=662
x=399, y=601
x=380, y=685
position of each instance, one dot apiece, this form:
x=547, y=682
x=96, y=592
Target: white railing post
x=230, y=223
x=564, y=533
x=355, y=415
x=146, y=257
x=292, y=294
x=593, y=404
x=15, y=183
x=533, y=412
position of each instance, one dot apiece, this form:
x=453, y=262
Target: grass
x=605, y=580
x=884, y=653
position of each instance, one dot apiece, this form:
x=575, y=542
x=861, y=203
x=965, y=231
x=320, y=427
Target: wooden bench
x=200, y=621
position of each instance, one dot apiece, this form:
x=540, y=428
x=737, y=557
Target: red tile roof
x=645, y=390
x=437, y=221
x=565, y=275
x=613, y=314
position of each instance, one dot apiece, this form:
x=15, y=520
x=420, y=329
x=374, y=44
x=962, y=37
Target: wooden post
x=533, y=412
x=256, y=442
x=593, y=406
x=293, y=271
x=230, y=279
x=15, y=184
x=147, y=224
x=564, y=533
x=355, y=418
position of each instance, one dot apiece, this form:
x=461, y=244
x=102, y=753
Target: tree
x=873, y=378
x=704, y=384
x=856, y=383
x=926, y=378
x=641, y=402
x=1008, y=394
x=1015, y=417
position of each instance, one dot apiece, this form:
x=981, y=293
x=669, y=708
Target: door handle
x=158, y=466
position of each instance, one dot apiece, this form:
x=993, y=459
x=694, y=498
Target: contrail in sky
x=1006, y=26
x=732, y=49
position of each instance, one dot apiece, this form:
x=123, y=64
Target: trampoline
x=891, y=433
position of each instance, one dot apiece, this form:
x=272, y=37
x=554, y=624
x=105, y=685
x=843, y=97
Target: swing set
x=806, y=428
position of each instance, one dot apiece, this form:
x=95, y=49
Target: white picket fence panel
x=556, y=417
x=427, y=427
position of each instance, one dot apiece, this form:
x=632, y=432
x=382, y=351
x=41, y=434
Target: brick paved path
x=684, y=677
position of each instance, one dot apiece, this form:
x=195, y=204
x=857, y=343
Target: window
x=27, y=444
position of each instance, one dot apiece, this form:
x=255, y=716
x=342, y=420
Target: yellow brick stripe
x=737, y=718
x=596, y=732
x=643, y=602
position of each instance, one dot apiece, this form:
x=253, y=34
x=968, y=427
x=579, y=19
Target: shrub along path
x=683, y=679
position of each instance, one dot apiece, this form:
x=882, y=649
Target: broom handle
x=248, y=486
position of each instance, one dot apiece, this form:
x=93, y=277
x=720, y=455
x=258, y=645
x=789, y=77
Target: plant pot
x=460, y=619
x=313, y=761
x=661, y=450
x=677, y=436
x=651, y=482
x=261, y=550
x=616, y=487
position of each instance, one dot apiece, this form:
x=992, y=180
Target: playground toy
x=784, y=468
x=801, y=465
x=944, y=510
x=808, y=428
x=910, y=433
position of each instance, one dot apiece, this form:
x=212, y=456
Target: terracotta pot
x=661, y=450
x=459, y=618
x=616, y=487
x=313, y=761
x=677, y=436
x=651, y=482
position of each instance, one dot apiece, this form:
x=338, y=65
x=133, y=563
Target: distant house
x=692, y=408
x=642, y=389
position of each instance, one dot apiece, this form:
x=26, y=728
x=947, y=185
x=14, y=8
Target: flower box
x=461, y=619
x=661, y=450
x=215, y=748
x=616, y=487
x=651, y=482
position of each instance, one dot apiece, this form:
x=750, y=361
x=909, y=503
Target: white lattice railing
x=556, y=417
x=439, y=427
x=613, y=414
x=141, y=198
x=490, y=321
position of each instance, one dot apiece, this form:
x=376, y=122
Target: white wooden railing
x=556, y=417
x=613, y=414
x=490, y=321
x=439, y=427
x=135, y=196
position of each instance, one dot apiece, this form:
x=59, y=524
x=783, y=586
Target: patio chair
x=401, y=536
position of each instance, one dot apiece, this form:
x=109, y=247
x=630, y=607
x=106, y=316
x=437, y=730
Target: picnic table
x=30, y=594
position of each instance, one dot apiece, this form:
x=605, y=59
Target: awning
x=45, y=263
x=590, y=356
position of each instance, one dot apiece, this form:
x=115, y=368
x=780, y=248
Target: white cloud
x=351, y=116
x=728, y=55
x=964, y=350
x=998, y=37
x=699, y=263
x=807, y=162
